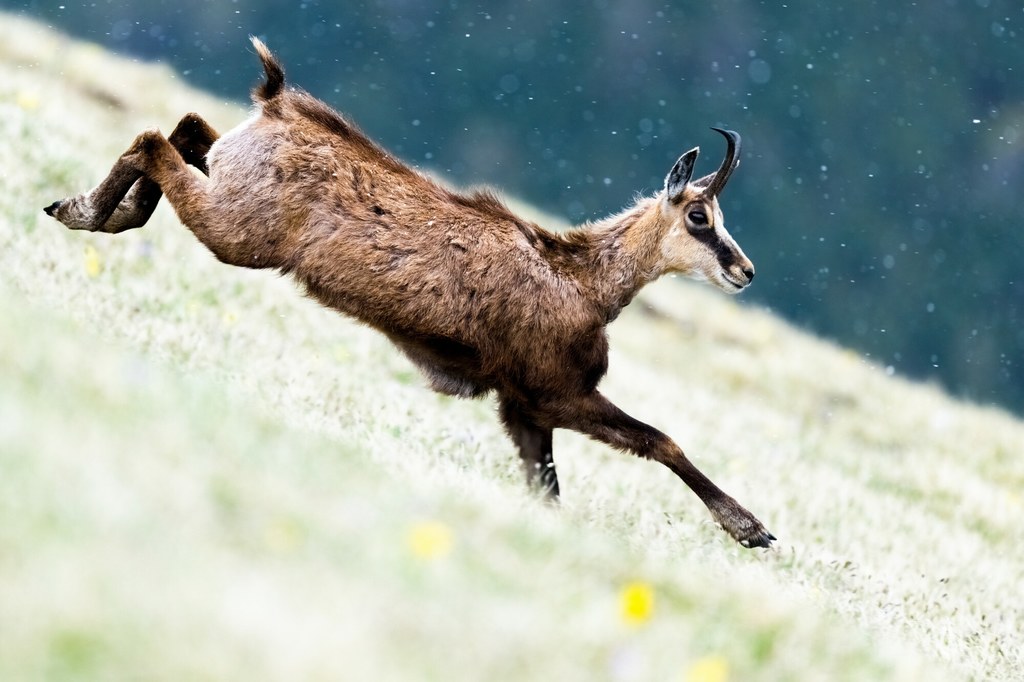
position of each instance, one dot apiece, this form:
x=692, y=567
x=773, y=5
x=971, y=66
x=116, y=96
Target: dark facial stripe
x=723, y=252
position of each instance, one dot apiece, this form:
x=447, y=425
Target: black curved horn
x=732, y=155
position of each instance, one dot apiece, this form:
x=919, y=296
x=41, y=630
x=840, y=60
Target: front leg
x=535, y=449
x=595, y=416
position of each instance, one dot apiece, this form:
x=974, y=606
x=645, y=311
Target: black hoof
x=52, y=207
x=762, y=539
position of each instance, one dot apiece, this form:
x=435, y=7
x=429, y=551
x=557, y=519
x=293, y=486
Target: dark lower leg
x=535, y=450
x=598, y=418
x=191, y=138
x=90, y=211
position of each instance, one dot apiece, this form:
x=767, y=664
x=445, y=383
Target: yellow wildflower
x=430, y=540
x=636, y=603
x=27, y=100
x=708, y=669
x=282, y=536
x=93, y=267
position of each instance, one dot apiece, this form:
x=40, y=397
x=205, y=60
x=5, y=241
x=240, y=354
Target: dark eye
x=698, y=217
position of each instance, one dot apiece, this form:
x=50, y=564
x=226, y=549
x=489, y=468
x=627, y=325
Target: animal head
x=697, y=244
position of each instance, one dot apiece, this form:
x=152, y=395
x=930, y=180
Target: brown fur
x=477, y=297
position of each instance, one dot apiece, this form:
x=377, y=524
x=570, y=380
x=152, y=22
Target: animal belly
x=449, y=366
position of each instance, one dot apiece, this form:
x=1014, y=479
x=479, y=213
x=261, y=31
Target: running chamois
x=478, y=298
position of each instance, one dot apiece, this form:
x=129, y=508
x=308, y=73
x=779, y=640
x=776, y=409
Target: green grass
x=204, y=475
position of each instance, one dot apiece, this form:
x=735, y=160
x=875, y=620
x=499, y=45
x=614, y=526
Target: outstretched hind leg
x=535, y=449
x=122, y=203
x=192, y=138
x=90, y=211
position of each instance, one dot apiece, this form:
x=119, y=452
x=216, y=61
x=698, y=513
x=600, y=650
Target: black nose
x=749, y=272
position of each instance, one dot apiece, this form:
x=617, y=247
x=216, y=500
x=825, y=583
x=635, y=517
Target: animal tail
x=275, y=73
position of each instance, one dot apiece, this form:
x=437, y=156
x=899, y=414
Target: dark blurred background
x=883, y=141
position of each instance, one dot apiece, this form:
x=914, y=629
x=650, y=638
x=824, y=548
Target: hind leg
x=133, y=200
x=192, y=138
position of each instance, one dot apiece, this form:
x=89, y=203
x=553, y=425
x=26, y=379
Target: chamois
x=478, y=298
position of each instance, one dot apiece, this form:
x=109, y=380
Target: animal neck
x=626, y=253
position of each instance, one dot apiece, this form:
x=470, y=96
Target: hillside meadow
x=204, y=475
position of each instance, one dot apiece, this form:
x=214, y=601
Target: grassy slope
x=205, y=476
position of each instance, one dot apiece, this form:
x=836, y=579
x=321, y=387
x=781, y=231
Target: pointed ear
x=675, y=181
x=702, y=183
